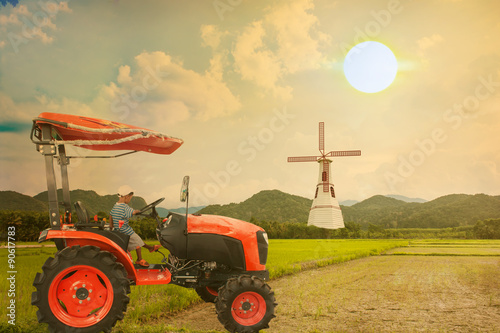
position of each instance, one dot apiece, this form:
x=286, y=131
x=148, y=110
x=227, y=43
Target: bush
x=28, y=224
x=488, y=229
x=144, y=227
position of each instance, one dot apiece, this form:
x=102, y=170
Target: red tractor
x=85, y=287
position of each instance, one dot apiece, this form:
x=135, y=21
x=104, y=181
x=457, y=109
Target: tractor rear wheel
x=81, y=289
x=245, y=304
x=208, y=294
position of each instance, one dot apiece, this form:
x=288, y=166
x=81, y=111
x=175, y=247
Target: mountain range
x=395, y=196
x=269, y=205
x=386, y=211
x=273, y=205
x=93, y=202
x=163, y=212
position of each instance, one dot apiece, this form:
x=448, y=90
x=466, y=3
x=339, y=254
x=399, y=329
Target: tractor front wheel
x=82, y=289
x=245, y=304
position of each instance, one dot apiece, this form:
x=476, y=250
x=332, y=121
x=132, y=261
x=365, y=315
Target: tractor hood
x=236, y=243
x=221, y=225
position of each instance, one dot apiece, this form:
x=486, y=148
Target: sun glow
x=370, y=67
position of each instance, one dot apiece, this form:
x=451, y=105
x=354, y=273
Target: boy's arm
x=129, y=212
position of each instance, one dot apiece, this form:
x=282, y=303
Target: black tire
x=245, y=304
x=208, y=294
x=81, y=290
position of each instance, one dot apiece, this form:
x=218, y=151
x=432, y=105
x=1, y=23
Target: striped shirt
x=122, y=212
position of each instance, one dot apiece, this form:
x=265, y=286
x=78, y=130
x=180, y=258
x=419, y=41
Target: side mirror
x=185, y=189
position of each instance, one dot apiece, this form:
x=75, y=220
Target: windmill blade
x=341, y=153
x=303, y=159
x=326, y=176
x=322, y=137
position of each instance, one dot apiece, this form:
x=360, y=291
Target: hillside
x=10, y=200
x=272, y=205
x=92, y=201
x=378, y=202
x=269, y=205
x=181, y=210
x=448, y=211
x=406, y=199
x=348, y=202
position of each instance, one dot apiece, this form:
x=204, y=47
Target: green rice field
x=150, y=304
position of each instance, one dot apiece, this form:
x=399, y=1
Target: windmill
x=325, y=210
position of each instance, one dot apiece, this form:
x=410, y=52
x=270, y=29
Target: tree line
x=354, y=230
x=30, y=224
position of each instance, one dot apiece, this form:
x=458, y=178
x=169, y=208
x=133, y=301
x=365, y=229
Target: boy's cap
x=125, y=190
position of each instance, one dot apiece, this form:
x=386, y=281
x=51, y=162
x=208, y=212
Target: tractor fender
x=82, y=238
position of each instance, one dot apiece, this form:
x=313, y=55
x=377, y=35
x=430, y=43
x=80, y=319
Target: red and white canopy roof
x=99, y=134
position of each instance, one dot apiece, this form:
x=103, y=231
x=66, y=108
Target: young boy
x=123, y=212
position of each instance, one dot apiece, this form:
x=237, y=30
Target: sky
x=245, y=84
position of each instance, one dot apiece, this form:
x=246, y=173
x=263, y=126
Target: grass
x=149, y=305
x=28, y=262
x=456, y=242
x=292, y=256
x=450, y=248
x=4, y=243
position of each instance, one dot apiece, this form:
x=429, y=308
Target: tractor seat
x=83, y=218
x=84, y=222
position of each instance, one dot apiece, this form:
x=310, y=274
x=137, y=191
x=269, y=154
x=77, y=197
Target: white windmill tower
x=325, y=210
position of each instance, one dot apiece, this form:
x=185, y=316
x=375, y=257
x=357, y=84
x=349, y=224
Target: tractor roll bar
x=51, y=148
x=51, y=132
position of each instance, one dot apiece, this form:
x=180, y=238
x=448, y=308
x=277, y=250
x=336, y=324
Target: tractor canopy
x=99, y=134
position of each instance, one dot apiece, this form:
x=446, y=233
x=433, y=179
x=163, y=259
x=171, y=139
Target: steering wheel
x=151, y=205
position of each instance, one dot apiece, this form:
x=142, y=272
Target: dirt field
x=381, y=294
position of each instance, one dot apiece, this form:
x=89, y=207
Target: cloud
x=67, y=106
x=298, y=39
x=287, y=40
x=427, y=42
x=211, y=36
x=423, y=46
x=256, y=63
x=124, y=75
x=11, y=19
x=18, y=116
x=15, y=113
x=159, y=82
x=22, y=24
x=155, y=90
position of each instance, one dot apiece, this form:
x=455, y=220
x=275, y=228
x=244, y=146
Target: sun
x=370, y=67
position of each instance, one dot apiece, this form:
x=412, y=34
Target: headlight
x=263, y=244
x=265, y=237
x=166, y=221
